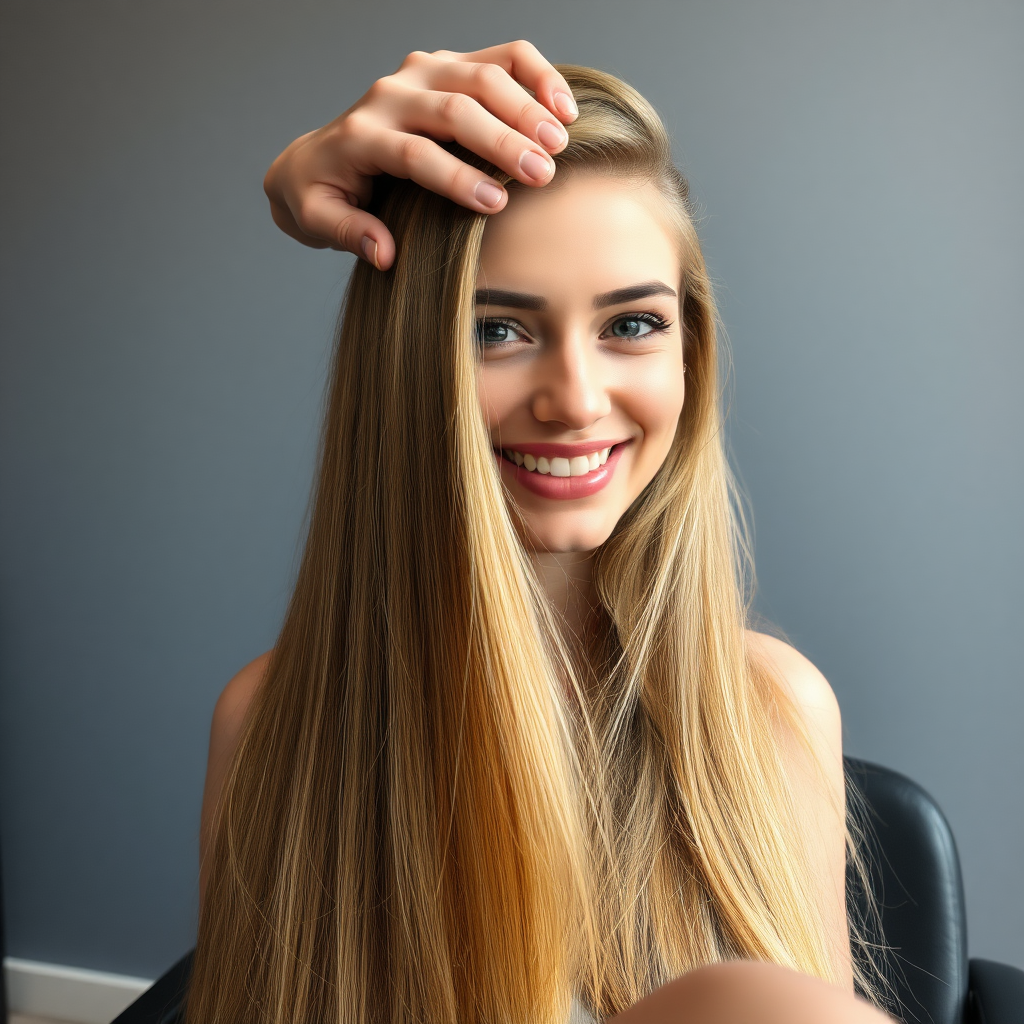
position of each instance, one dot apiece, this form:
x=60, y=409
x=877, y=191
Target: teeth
x=579, y=465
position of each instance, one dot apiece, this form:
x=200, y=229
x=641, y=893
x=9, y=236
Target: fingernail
x=534, y=165
x=369, y=247
x=565, y=105
x=551, y=136
x=487, y=194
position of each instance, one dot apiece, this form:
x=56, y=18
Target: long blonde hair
x=417, y=824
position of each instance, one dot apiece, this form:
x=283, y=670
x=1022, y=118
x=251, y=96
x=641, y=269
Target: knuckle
x=523, y=48
x=381, y=89
x=411, y=150
x=415, y=59
x=508, y=142
x=453, y=106
x=305, y=212
x=353, y=126
x=527, y=112
x=454, y=180
x=488, y=74
x=348, y=232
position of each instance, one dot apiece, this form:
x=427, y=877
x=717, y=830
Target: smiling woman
x=514, y=746
x=582, y=352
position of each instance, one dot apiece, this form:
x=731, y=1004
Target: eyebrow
x=632, y=294
x=522, y=300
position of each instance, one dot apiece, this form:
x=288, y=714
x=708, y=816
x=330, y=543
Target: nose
x=571, y=387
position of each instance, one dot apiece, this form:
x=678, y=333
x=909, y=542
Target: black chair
x=915, y=877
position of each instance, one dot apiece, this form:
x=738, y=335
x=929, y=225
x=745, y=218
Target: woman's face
x=578, y=319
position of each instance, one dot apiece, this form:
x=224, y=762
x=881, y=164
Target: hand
x=318, y=185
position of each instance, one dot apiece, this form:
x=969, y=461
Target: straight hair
x=419, y=824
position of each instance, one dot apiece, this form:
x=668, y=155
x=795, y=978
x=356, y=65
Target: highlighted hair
x=418, y=825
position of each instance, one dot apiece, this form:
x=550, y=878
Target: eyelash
x=658, y=324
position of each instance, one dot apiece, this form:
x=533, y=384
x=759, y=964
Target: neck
x=567, y=579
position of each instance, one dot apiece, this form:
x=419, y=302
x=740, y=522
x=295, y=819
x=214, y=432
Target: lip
x=563, y=451
x=564, y=488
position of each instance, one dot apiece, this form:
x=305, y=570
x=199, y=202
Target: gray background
x=859, y=167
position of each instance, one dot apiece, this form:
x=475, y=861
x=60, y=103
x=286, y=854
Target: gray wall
x=859, y=166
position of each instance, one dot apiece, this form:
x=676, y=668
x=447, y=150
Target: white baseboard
x=69, y=993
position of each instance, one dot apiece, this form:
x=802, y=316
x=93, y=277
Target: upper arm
x=225, y=730
x=818, y=781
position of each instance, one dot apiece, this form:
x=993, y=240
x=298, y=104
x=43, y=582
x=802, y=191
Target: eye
x=492, y=333
x=637, y=325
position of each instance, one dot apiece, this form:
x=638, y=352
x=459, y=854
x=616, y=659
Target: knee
x=766, y=992
x=740, y=976
x=743, y=991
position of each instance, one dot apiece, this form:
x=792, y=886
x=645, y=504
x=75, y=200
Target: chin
x=551, y=538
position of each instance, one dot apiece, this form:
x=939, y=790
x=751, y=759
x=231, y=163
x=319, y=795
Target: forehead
x=594, y=233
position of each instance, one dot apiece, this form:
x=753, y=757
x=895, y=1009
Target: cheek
x=656, y=399
x=486, y=393
x=498, y=394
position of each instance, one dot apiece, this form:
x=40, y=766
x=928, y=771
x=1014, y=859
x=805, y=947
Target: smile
x=578, y=465
x=562, y=472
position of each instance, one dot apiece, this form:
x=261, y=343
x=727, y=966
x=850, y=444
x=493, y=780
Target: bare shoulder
x=235, y=698
x=806, y=686
x=817, y=779
x=225, y=731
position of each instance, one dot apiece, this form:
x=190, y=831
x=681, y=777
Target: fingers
x=425, y=162
x=325, y=215
x=528, y=66
x=283, y=218
x=308, y=204
x=327, y=220
x=481, y=101
x=458, y=115
x=319, y=185
x=498, y=79
x=496, y=91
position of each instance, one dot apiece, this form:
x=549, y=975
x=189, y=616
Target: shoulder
x=229, y=715
x=228, y=718
x=243, y=684
x=812, y=746
x=806, y=687
x=225, y=731
x=814, y=764
x=234, y=700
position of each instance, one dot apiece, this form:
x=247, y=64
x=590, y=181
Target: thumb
x=326, y=218
x=353, y=230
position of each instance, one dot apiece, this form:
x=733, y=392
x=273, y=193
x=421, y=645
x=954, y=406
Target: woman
x=515, y=746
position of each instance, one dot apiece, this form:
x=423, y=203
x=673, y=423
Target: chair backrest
x=915, y=877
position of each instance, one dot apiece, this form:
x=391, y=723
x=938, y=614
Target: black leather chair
x=915, y=877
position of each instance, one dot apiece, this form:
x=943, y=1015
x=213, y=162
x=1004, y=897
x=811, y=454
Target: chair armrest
x=997, y=993
x=164, y=1000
